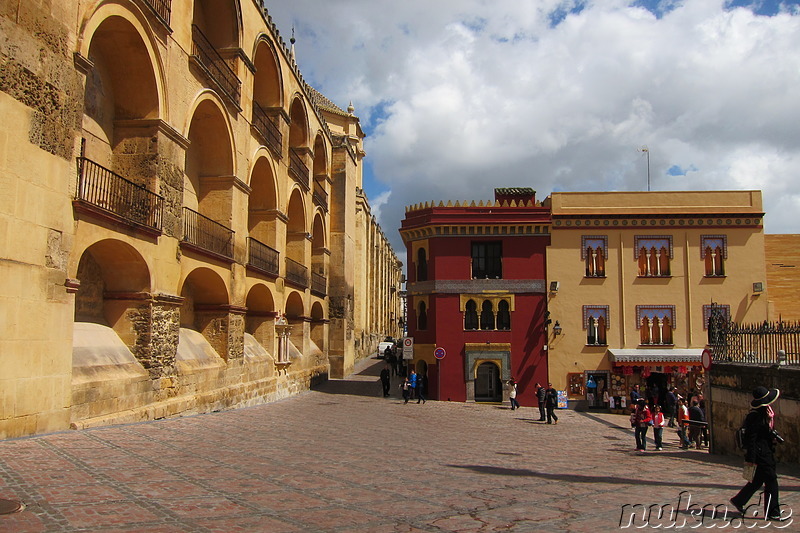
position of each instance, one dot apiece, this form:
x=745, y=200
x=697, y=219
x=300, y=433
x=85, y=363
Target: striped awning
x=655, y=356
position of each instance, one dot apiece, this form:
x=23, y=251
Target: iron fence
x=262, y=257
x=298, y=169
x=162, y=8
x=206, y=234
x=268, y=129
x=110, y=192
x=296, y=273
x=319, y=284
x=216, y=67
x=753, y=343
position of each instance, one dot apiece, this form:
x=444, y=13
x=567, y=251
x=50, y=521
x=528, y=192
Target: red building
x=477, y=295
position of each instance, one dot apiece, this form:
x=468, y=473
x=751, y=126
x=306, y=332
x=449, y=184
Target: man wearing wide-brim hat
x=760, y=439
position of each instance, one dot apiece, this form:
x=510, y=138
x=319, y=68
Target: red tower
x=477, y=298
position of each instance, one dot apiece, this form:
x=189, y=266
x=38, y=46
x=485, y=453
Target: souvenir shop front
x=654, y=372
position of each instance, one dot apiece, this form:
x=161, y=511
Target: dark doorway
x=488, y=387
x=656, y=388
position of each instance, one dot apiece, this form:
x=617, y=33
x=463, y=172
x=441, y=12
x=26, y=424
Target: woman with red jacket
x=642, y=420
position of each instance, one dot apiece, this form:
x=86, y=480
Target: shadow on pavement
x=573, y=478
x=365, y=381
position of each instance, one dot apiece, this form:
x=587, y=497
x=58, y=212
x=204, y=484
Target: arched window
x=653, y=254
x=487, y=315
x=422, y=265
x=422, y=317
x=656, y=324
x=503, y=316
x=713, y=251
x=594, y=253
x=471, y=315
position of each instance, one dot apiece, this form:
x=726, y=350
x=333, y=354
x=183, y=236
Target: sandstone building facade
x=182, y=216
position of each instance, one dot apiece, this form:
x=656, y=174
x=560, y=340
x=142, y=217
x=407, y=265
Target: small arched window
x=422, y=265
x=487, y=315
x=471, y=315
x=422, y=316
x=503, y=316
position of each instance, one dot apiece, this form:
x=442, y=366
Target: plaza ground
x=343, y=458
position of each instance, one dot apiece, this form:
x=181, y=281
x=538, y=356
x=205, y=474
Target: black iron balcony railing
x=109, y=192
x=296, y=273
x=215, y=66
x=320, y=197
x=319, y=284
x=163, y=8
x=206, y=234
x=268, y=129
x=298, y=169
x=262, y=257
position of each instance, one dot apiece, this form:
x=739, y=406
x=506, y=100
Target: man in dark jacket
x=671, y=401
x=760, y=439
x=541, y=397
x=551, y=403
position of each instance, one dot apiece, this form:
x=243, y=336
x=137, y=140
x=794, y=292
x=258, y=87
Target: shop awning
x=644, y=356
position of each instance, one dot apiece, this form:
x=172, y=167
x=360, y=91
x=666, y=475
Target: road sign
x=408, y=348
x=706, y=359
x=439, y=353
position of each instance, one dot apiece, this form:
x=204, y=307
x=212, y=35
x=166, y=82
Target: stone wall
x=731, y=393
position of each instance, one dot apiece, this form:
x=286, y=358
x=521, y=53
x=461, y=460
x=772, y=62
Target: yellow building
x=632, y=276
x=181, y=217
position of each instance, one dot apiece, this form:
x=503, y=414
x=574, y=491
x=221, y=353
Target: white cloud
x=461, y=96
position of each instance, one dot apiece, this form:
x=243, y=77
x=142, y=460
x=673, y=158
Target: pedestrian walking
x=393, y=363
x=760, y=439
x=386, y=379
x=671, y=402
x=635, y=396
x=405, y=386
x=512, y=394
x=412, y=383
x=683, y=422
x=551, y=402
x=641, y=419
x=658, y=428
x=422, y=387
x=696, y=422
x=541, y=397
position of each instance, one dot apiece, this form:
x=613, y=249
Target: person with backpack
x=541, y=397
x=760, y=439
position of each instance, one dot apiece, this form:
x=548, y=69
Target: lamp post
x=647, y=151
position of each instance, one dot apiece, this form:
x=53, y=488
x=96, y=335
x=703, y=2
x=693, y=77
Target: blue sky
x=460, y=96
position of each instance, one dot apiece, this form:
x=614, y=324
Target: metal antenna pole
x=647, y=151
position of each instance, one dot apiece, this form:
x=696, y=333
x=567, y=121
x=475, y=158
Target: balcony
x=262, y=258
x=296, y=274
x=215, y=67
x=206, y=235
x=267, y=128
x=320, y=197
x=319, y=285
x=162, y=8
x=107, y=193
x=298, y=169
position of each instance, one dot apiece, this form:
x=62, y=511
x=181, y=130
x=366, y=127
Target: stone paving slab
x=344, y=459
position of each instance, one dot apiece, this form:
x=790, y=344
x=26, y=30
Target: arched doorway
x=488, y=387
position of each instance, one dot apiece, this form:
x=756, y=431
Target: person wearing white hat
x=760, y=439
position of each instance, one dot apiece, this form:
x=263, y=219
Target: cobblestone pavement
x=342, y=458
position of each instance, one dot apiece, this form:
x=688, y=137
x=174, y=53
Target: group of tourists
x=412, y=385
x=547, y=398
x=689, y=412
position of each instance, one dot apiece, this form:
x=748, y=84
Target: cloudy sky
x=458, y=97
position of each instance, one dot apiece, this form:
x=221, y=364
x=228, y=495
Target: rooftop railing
x=206, y=234
x=268, y=129
x=215, y=66
x=109, y=192
x=262, y=257
x=296, y=273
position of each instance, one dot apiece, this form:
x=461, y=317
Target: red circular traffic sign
x=407, y=342
x=705, y=359
x=439, y=353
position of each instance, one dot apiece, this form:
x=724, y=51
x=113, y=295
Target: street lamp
x=557, y=328
x=647, y=151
